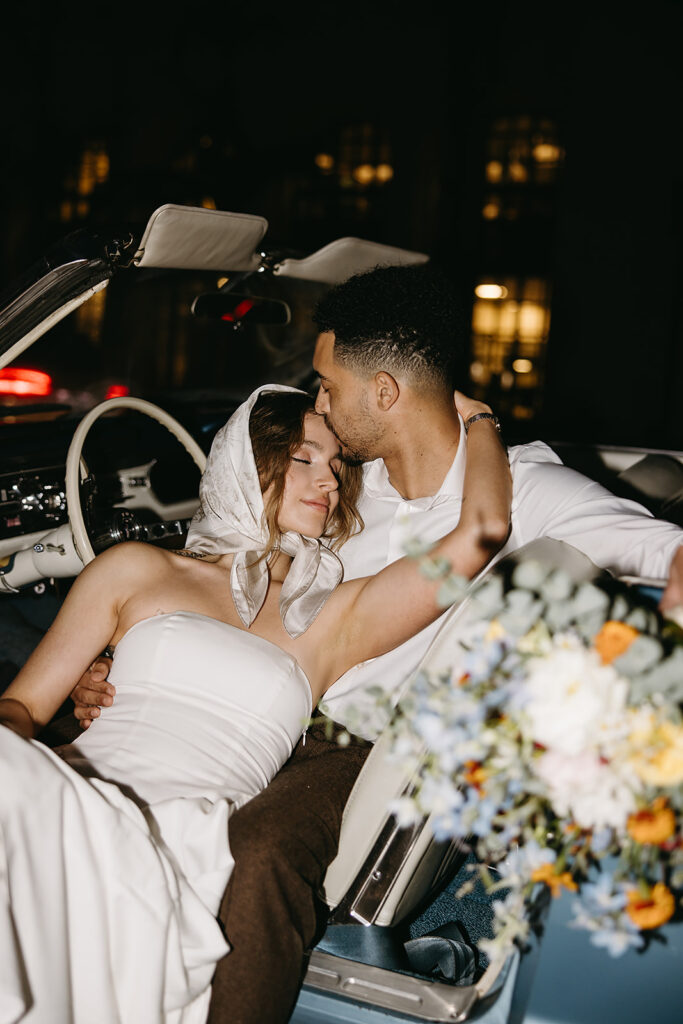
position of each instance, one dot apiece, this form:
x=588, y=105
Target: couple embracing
x=115, y=852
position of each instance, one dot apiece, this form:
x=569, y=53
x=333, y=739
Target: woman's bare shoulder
x=131, y=559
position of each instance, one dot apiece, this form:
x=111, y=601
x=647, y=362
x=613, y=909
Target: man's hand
x=92, y=691
x=672, y=598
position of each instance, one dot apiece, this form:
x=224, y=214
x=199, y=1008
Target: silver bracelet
x=482, y=416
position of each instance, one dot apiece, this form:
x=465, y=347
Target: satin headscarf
x=231, y=520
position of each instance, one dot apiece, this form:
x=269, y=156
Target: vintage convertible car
x=77, y=475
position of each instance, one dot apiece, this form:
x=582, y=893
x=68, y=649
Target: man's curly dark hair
x=406, y=320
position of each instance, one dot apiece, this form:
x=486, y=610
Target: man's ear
x=387, y=390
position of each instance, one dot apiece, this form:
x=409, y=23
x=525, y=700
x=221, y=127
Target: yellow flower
x=555, y=882
x=614, y=639
x=659, y=762
x=654, y=825
x=652, y=910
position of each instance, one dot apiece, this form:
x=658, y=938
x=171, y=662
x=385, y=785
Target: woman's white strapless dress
x=115, y=856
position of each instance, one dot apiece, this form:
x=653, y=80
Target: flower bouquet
x=554, y=745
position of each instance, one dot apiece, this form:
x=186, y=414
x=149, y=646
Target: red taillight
x=15, y=380
x=117, y=391
x=240, y=310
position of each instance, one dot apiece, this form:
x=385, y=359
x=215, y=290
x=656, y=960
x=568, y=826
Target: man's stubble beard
x=359, y=442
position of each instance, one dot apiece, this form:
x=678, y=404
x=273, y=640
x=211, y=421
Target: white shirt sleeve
x=552, y=500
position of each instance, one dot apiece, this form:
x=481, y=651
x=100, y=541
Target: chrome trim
x=375, y=986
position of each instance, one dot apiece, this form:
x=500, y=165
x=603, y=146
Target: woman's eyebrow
x=319, y=447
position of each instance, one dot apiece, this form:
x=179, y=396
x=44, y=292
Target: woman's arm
x=379, y=612
x=83, y=627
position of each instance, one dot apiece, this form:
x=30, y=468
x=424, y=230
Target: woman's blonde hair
x=276, y=429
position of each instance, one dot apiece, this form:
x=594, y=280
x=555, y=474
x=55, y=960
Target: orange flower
x=474, y=774
x=546, y=873
x=614, y=639
x=653, y=825
x=653, y=910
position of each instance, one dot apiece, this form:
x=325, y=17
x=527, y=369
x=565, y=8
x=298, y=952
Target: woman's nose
x=328, y=482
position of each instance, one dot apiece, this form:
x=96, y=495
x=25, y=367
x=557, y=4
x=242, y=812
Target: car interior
x=399, y=941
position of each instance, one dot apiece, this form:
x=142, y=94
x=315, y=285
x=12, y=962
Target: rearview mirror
x=236, y=310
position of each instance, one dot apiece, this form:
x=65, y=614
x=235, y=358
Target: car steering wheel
x=75, y=463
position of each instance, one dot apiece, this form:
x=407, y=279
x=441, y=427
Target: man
x=386, y=358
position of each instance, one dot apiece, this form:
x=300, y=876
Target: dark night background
x=209, y=103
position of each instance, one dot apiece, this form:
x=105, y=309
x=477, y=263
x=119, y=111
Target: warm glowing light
x=82, y=208
x=507, y=380
x=222, y=281
x=325, y=161
x=384, y=173
x=477, y=370
x=490, y=291
x=491, y=211
x=117, y=391
x=546, y=153
x=517, y=171
x=494, y=170
x=532, y=317
x=66, y=210
x=364, y=174
x=522, y=366
x=485, y=318
x=16, y=380
x=209, y=203
x=101, y=167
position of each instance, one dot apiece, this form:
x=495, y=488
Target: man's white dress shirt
x=549, y=500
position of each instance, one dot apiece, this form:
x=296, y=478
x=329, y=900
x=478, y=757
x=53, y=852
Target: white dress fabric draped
x=114, y=855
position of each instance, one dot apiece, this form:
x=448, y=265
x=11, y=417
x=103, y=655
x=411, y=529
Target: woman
x=220, y=657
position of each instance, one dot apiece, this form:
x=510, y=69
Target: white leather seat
x=381, y=873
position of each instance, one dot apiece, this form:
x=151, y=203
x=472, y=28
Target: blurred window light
x=509, y=340
x=523, y=149
x=494, y=170
x=87, y=176
x=384, y=173
x=209, y=203
x=324, y=161
x=102, y=167
x=532, y=320
x=364, y=174
x=491, y=211
x=517, y=171
x=221, y=282
x=490, y=291
x=546, y=153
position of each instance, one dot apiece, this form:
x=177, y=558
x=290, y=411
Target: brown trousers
x=282, y=842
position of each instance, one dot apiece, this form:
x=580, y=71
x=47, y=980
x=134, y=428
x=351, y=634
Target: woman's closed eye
x=306, y=462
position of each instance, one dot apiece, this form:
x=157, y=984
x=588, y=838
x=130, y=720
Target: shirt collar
x=376, y=480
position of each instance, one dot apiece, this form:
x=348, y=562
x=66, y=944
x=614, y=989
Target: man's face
x=345, y=400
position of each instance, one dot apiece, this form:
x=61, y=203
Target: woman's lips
x=319, y=506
